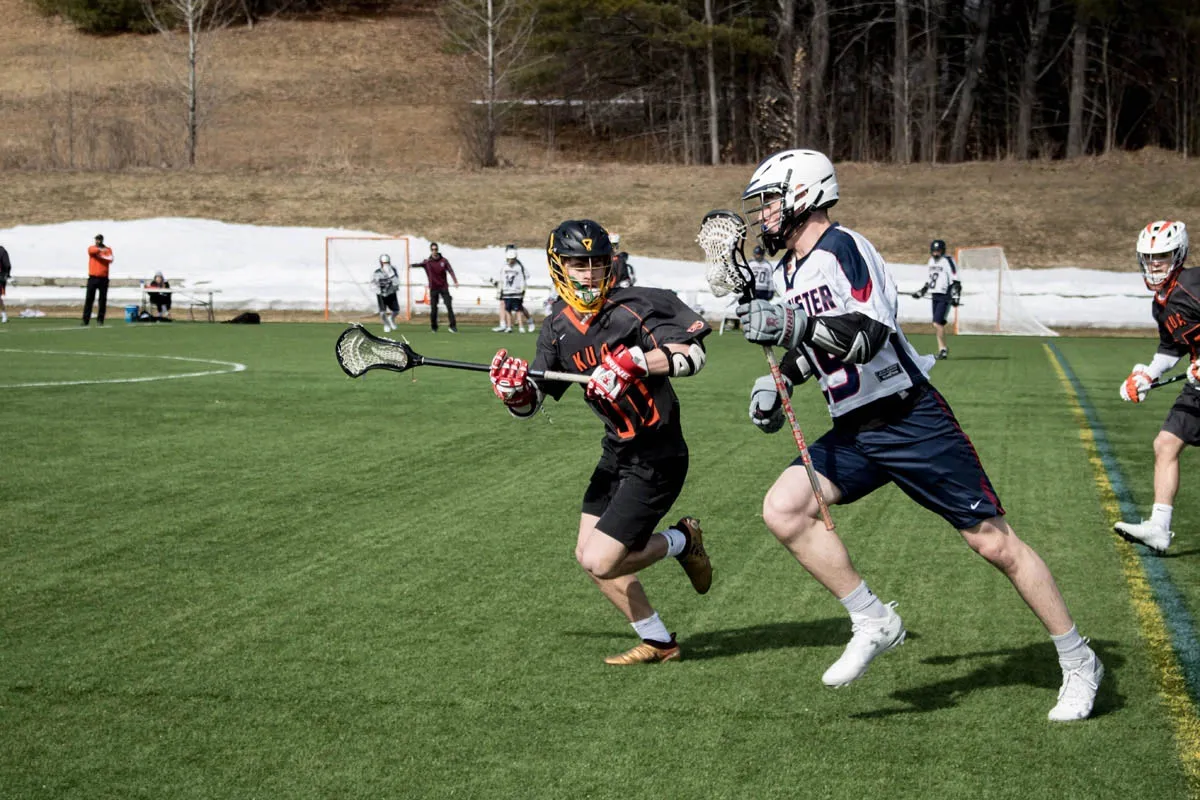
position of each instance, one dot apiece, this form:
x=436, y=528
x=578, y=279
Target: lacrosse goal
x=350, y=261
x=991, y=301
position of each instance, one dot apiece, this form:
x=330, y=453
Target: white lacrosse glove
x=1135, y=387
x=768, y=323
x=766, y=409
x=620, y=368
x=1193, y=373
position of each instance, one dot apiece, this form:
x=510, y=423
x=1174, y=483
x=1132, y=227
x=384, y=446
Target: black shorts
x=632, y=498
x=941, y=307
x=512, y=304
x=1183, y=419
x=388, y=302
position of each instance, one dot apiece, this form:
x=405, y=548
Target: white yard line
x=229, y=366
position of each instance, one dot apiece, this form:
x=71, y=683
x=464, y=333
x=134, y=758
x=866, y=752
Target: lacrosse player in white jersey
x=764, y=275
x=386, y=281
x=890, y=425
x=943, y=283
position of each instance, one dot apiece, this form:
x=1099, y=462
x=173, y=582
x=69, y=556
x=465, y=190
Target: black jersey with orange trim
x=1178, y=316
x=646, y=418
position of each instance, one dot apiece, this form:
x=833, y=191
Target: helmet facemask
x=1159, y=268
x=583, y=282
x=1162, y=248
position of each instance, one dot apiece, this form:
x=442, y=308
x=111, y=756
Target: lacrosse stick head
x=358, y=350
x=722, y=234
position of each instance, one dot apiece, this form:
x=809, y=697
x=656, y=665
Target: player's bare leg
x=1156, y=532
x=627, y=594
x=996, y=541
x=792, y=514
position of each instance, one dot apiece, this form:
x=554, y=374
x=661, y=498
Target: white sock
x=652, y=628
x=1160, y=515
x=862, y=601
x=676, y=541
x=3, y=316
x=1072, y=648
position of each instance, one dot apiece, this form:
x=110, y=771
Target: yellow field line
x=1172, y=686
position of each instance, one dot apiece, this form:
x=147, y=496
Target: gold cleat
x=645, y=653
x=694, y=559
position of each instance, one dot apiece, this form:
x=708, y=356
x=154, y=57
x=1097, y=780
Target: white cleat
x=872, y=636
x=497, y=329
x=1078, y=692
x=1156, y=537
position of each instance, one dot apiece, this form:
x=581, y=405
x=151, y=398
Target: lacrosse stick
x=721, y=236
x=359, y=351
x=1164, y=381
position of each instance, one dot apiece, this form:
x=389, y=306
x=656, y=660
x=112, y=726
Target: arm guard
x=853, y=337
x=680, y=365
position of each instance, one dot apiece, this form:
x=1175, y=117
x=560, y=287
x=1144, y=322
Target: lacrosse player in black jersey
x=1162, y=247
x=631, y=341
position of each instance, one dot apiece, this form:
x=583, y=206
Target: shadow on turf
x=1034, y=665
x=757, y=638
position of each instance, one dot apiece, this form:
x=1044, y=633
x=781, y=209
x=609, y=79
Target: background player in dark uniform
x=1162, y=248
x=623, y=273
x=5, y=272
x=631, y=342
x=838, y=323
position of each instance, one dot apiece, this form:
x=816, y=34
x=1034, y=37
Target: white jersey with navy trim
x=512, y=279
x=942, y=271
x=386, y=280
x=764, y=276
x=844, y=273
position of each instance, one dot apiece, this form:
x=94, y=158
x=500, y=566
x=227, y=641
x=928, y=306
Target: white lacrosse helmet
x=1162, y=247
x=510, y=252
x=615, y=238
x=803, y=180
x=385, y=259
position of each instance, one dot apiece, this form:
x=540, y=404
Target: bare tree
x=1078, y=90
x=901, y=144
x=185, y=26
x=974, y=68
x=819, y=126
x=714, y=143
x=1026, y=94
x=929, y=82
x=494, y=33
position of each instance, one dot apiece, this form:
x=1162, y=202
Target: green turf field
x=283, y=583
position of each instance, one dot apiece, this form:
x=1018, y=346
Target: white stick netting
x=358, y=351
x=721, y=236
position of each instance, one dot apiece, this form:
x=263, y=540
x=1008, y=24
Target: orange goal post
x=350, y=261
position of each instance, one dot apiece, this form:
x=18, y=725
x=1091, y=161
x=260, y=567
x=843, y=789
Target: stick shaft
x=1172, y=379
x=798, y=435
x=550, y=375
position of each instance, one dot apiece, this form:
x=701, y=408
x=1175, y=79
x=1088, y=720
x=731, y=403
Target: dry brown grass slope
x=349, y=122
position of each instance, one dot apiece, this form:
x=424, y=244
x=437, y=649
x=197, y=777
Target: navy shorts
x=764, y=294
x=941, y=307
x=388, y=302
x=512, y=304
x=632, y=498
x=1183, y=419
x=923, y=451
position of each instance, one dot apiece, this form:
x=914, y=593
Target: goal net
x=991, y=302
x=350, y=261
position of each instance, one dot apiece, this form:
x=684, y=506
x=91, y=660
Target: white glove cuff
x=1160, y=364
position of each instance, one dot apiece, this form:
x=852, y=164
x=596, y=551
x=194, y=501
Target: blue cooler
x=131, y=313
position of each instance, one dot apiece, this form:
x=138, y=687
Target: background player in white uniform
x=387, y=282
x=890, y=425
x=1162, y=247
x=512, y=294
x=943, y=283
x=764, y=275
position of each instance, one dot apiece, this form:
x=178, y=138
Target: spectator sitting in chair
x=160, y=302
